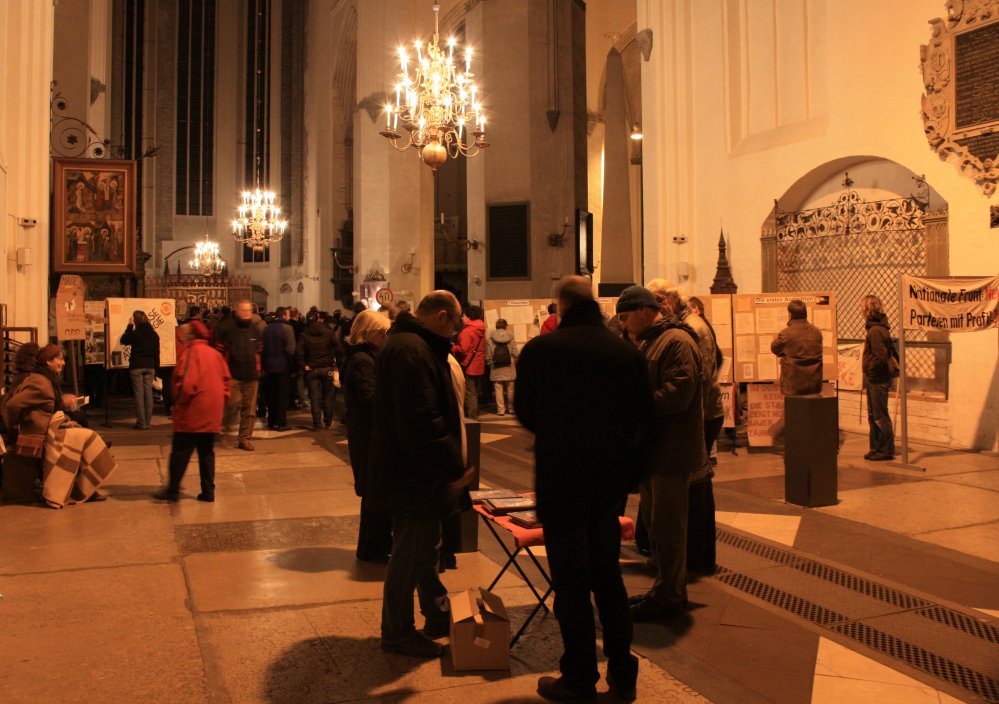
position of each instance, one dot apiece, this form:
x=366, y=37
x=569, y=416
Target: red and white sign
x=384, y=296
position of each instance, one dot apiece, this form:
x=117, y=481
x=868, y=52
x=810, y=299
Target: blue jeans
x=412, y=566
x=878, y=418
x=142, y=387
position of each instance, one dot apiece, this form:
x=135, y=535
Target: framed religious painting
x=93, y=219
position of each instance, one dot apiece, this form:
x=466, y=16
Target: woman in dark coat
x=367, y=334
x=878, y=350
x=143, y=360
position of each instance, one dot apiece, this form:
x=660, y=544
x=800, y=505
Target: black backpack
x=501, y=355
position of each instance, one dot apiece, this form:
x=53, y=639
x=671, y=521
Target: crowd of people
x=627, y=403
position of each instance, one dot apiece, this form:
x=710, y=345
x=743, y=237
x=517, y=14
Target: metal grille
x=974, y=675
x=855, y=248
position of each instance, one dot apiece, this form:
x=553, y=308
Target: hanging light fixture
x=207, y=260
x=438, y=105
x=258, y=223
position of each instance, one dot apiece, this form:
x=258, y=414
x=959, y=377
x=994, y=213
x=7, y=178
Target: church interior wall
x=755, y=130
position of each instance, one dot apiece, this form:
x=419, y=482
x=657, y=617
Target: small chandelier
x=437, y=105
x=258, y=224
x=207, y=260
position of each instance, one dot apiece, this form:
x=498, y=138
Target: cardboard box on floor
x=480, y=631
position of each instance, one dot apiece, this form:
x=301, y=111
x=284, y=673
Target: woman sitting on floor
x=74, y=460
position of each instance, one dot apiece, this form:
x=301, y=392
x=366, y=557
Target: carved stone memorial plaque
x=961, y=78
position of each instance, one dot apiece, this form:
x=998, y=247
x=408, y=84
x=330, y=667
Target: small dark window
x=509, y=255
x=253, y=255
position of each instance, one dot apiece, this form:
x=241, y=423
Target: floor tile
x=779, y=529
x=981, y=540
x=113, y=532
x=268, y=506
x=99, y=635
x=918, y=507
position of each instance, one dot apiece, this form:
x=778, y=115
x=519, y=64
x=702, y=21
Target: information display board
x=70, y=316
x=718, y=312
x=162, y=316
x=95, y=342
x=758, y=317
x=524, y=316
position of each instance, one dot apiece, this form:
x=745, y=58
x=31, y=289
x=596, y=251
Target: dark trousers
x=278, y=386
x=664, y=506
x=412, y=566
x=584, y=558
x=166, y=374
x=711, y=429
x=321, y=394
x=878, y=418
x=701, y=527
x=184, y=445
x=374, y=537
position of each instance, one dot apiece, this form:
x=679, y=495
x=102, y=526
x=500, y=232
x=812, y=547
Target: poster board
x=758, y=317
x=850, y=374
x=718, y=311
x=95, y=340
x=162, y=315
x=765, y=411
x=70, y=314
x=524, y=316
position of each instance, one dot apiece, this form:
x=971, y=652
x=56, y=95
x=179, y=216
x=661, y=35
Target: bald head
x=571, y=291
x=439, y=311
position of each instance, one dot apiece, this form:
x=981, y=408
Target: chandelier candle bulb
x=435, y=103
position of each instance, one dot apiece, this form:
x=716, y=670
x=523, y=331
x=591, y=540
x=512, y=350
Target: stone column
x=26, y=41
x=616, y=251
x=668, y=138
x=393, y=192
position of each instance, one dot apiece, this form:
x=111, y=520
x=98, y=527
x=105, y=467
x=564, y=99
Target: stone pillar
x=393, y=192
x=26, y=42
x=668, y=179
x=616, y=251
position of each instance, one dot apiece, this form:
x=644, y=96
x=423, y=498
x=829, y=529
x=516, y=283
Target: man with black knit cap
x=674, y=368
x=584, y=394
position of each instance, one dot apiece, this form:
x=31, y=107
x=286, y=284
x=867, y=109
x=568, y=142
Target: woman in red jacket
x=201, y=386
x=470, y=351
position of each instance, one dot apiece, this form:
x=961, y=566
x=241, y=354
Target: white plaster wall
x=723, y=139
x=26, y=31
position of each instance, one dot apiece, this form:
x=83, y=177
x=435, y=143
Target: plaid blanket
x=76, y=462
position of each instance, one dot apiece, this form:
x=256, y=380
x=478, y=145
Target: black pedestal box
x=811, y=434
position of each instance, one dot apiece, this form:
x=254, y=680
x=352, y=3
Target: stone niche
x=961, y=99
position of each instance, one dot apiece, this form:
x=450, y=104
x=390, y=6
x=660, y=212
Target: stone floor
x=892, y=595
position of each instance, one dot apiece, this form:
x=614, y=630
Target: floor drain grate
x=802, y=608
x=860, y=585
x=961, y=622
x=757, y=548
x=921, y=659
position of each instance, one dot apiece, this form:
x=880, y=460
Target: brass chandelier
x=258, y=223
x=206, y=260
x=438, y=104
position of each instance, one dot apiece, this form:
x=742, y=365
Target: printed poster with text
x=758, y=317
x=162, y=316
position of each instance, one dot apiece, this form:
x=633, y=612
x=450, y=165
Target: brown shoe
x=245, y=445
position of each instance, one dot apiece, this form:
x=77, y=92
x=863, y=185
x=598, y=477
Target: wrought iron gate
x=855, y=248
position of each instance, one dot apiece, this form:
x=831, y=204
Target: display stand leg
x=904, y=464
x=107, y=400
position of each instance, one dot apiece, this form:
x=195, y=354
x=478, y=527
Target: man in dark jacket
x=240, y=342
x=584, y=394
x=419, y=477
x=279, y=362
x=677, y=453
x=316, y=356
x=877, y=363
x=799, y=347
